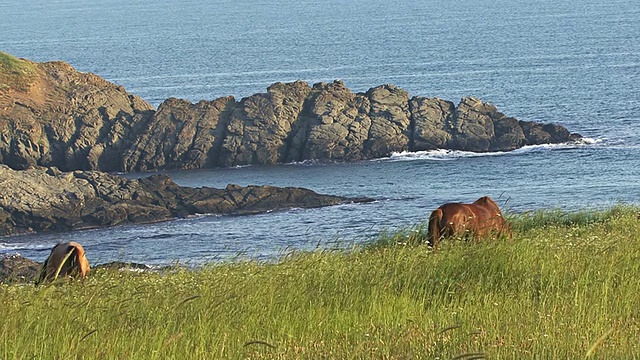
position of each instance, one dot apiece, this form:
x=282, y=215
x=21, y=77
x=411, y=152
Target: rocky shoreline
x=47, y=199
x=62, y=131
x=54, y=116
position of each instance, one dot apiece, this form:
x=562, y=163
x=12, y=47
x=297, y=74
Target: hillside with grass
x=53, y=115
x=16, y=75
x=565, y=287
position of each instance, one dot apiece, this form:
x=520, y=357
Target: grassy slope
x=15, y=74
x=562, y=286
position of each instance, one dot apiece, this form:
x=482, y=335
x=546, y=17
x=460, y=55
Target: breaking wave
x=17, y=247
x=448, y=155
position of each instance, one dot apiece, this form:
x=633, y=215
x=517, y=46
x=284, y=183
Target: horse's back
x=455, y=212
x=487, y=203
x=489, y=216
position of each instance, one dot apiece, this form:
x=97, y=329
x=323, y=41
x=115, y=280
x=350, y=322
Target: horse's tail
x=434, y=227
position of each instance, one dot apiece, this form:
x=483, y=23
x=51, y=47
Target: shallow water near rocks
x=576, y=64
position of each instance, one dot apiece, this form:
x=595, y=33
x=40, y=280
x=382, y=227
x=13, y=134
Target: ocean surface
x=575, y=63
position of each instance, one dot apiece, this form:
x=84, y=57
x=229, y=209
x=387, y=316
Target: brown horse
x=480, y=219
x=66, y=259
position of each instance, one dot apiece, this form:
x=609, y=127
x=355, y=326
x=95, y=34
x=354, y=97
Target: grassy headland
x=565, y=287
x=15, y=73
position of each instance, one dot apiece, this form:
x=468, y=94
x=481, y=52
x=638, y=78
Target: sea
x=574, y=63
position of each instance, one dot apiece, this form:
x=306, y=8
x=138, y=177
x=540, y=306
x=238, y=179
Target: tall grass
x=560, y=290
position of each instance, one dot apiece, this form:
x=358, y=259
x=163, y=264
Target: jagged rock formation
x=52, y=115
x=46, y=199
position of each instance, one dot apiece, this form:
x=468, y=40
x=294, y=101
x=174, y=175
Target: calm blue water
x=576, y=63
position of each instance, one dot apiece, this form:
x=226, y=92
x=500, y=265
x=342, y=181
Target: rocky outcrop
x=62, y=117
x=295, y=122
x=47, y=199
x=52, y=115
x=18, y=269
x=260, y=126
x=181, y=135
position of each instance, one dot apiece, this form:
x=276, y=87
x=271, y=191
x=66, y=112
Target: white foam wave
x=448, y=155
x=561, y=146
x=8, y=247
x=590, y=141
x=310, y=162
x=438, y=155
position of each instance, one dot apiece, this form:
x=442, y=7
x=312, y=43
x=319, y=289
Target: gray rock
x=18, y=269
x=337, y=124
x=260, y=127
x=433, y=123
x=508, y=135
x=181, y=135
x=68, y=119
x=78, y=121
x=41, y=199
x=473, y=127
x=390, y=122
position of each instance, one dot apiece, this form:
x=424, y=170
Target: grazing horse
x=479, y=219
x=66, y=259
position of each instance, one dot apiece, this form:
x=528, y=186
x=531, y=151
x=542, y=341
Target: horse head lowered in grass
x=480, y=219
x=66, y=259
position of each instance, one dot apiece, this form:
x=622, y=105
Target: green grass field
x=566, y=287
